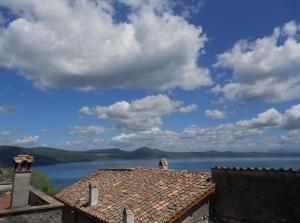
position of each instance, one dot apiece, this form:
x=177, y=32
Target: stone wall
x=41, y=209
x=255, y=196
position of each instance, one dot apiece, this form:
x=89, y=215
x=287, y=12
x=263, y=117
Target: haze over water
x=68, y=173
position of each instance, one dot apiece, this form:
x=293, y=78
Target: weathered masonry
x=255, y=196
x=21, y=203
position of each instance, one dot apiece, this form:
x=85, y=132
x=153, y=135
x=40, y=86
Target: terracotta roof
x=153, y=195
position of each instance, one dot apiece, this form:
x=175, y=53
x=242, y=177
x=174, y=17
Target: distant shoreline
x=51, y=156
x=177, y=158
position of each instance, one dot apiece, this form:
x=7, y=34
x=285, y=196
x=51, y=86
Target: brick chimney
x=128, y=216
x=163, y=164
x=21, y=181
x=93, y=194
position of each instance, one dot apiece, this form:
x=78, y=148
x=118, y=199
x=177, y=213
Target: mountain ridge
x=51, y=156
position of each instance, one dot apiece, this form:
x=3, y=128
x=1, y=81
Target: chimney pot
x=163, y=164
x=93, y=194
x=128, y=216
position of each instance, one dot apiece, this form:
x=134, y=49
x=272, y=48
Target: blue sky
x=173, y=75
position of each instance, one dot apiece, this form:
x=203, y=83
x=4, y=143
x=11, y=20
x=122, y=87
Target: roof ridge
x=116, y=169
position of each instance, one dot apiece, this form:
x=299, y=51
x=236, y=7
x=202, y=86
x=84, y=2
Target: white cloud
x=215, y=114
x=140, y=114
x=4, y=134
x=267, y=68
x=242, y=135
x=231, y=91
x=269, y=118
x=272, y=118
x=26, y=140
x=292, y=137
x=292, y=117
x=188, y=108
x=245, y=135
x=86, y=130
x=85, y=110
x=79, y=44
x=189, y=8
x=193, y=138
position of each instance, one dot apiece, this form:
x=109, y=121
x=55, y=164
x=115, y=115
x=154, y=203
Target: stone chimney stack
x=93, y=194
x=128, y=216
x=21, y=181
x=163, y=164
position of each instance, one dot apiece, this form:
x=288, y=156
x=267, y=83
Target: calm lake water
x=68, y=173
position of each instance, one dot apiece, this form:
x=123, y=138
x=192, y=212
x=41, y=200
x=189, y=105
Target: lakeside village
x=155, y=195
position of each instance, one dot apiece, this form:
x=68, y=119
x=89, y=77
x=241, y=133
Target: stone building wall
x=74, y=216
x=39, y=216
x=198, y=214
x=255, y=196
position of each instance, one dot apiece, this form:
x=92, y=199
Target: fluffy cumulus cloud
x=26, y=140
x=188, y=108
x=141, y=114
x=267, y=68
x=243, y=135
x=215, y=114
x=272, y=118
x=193, y=138
x=86, y=45
x=86, y=130
x=291, y=137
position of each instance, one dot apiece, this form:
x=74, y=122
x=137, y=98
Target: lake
x=66, y=174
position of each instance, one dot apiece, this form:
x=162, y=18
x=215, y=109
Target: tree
x=39, y=181
x=42, y=182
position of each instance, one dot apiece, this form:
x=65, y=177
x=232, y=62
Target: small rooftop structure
x=147, y=195
x=23, y=162
x=23, y=157
x=163, y=164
